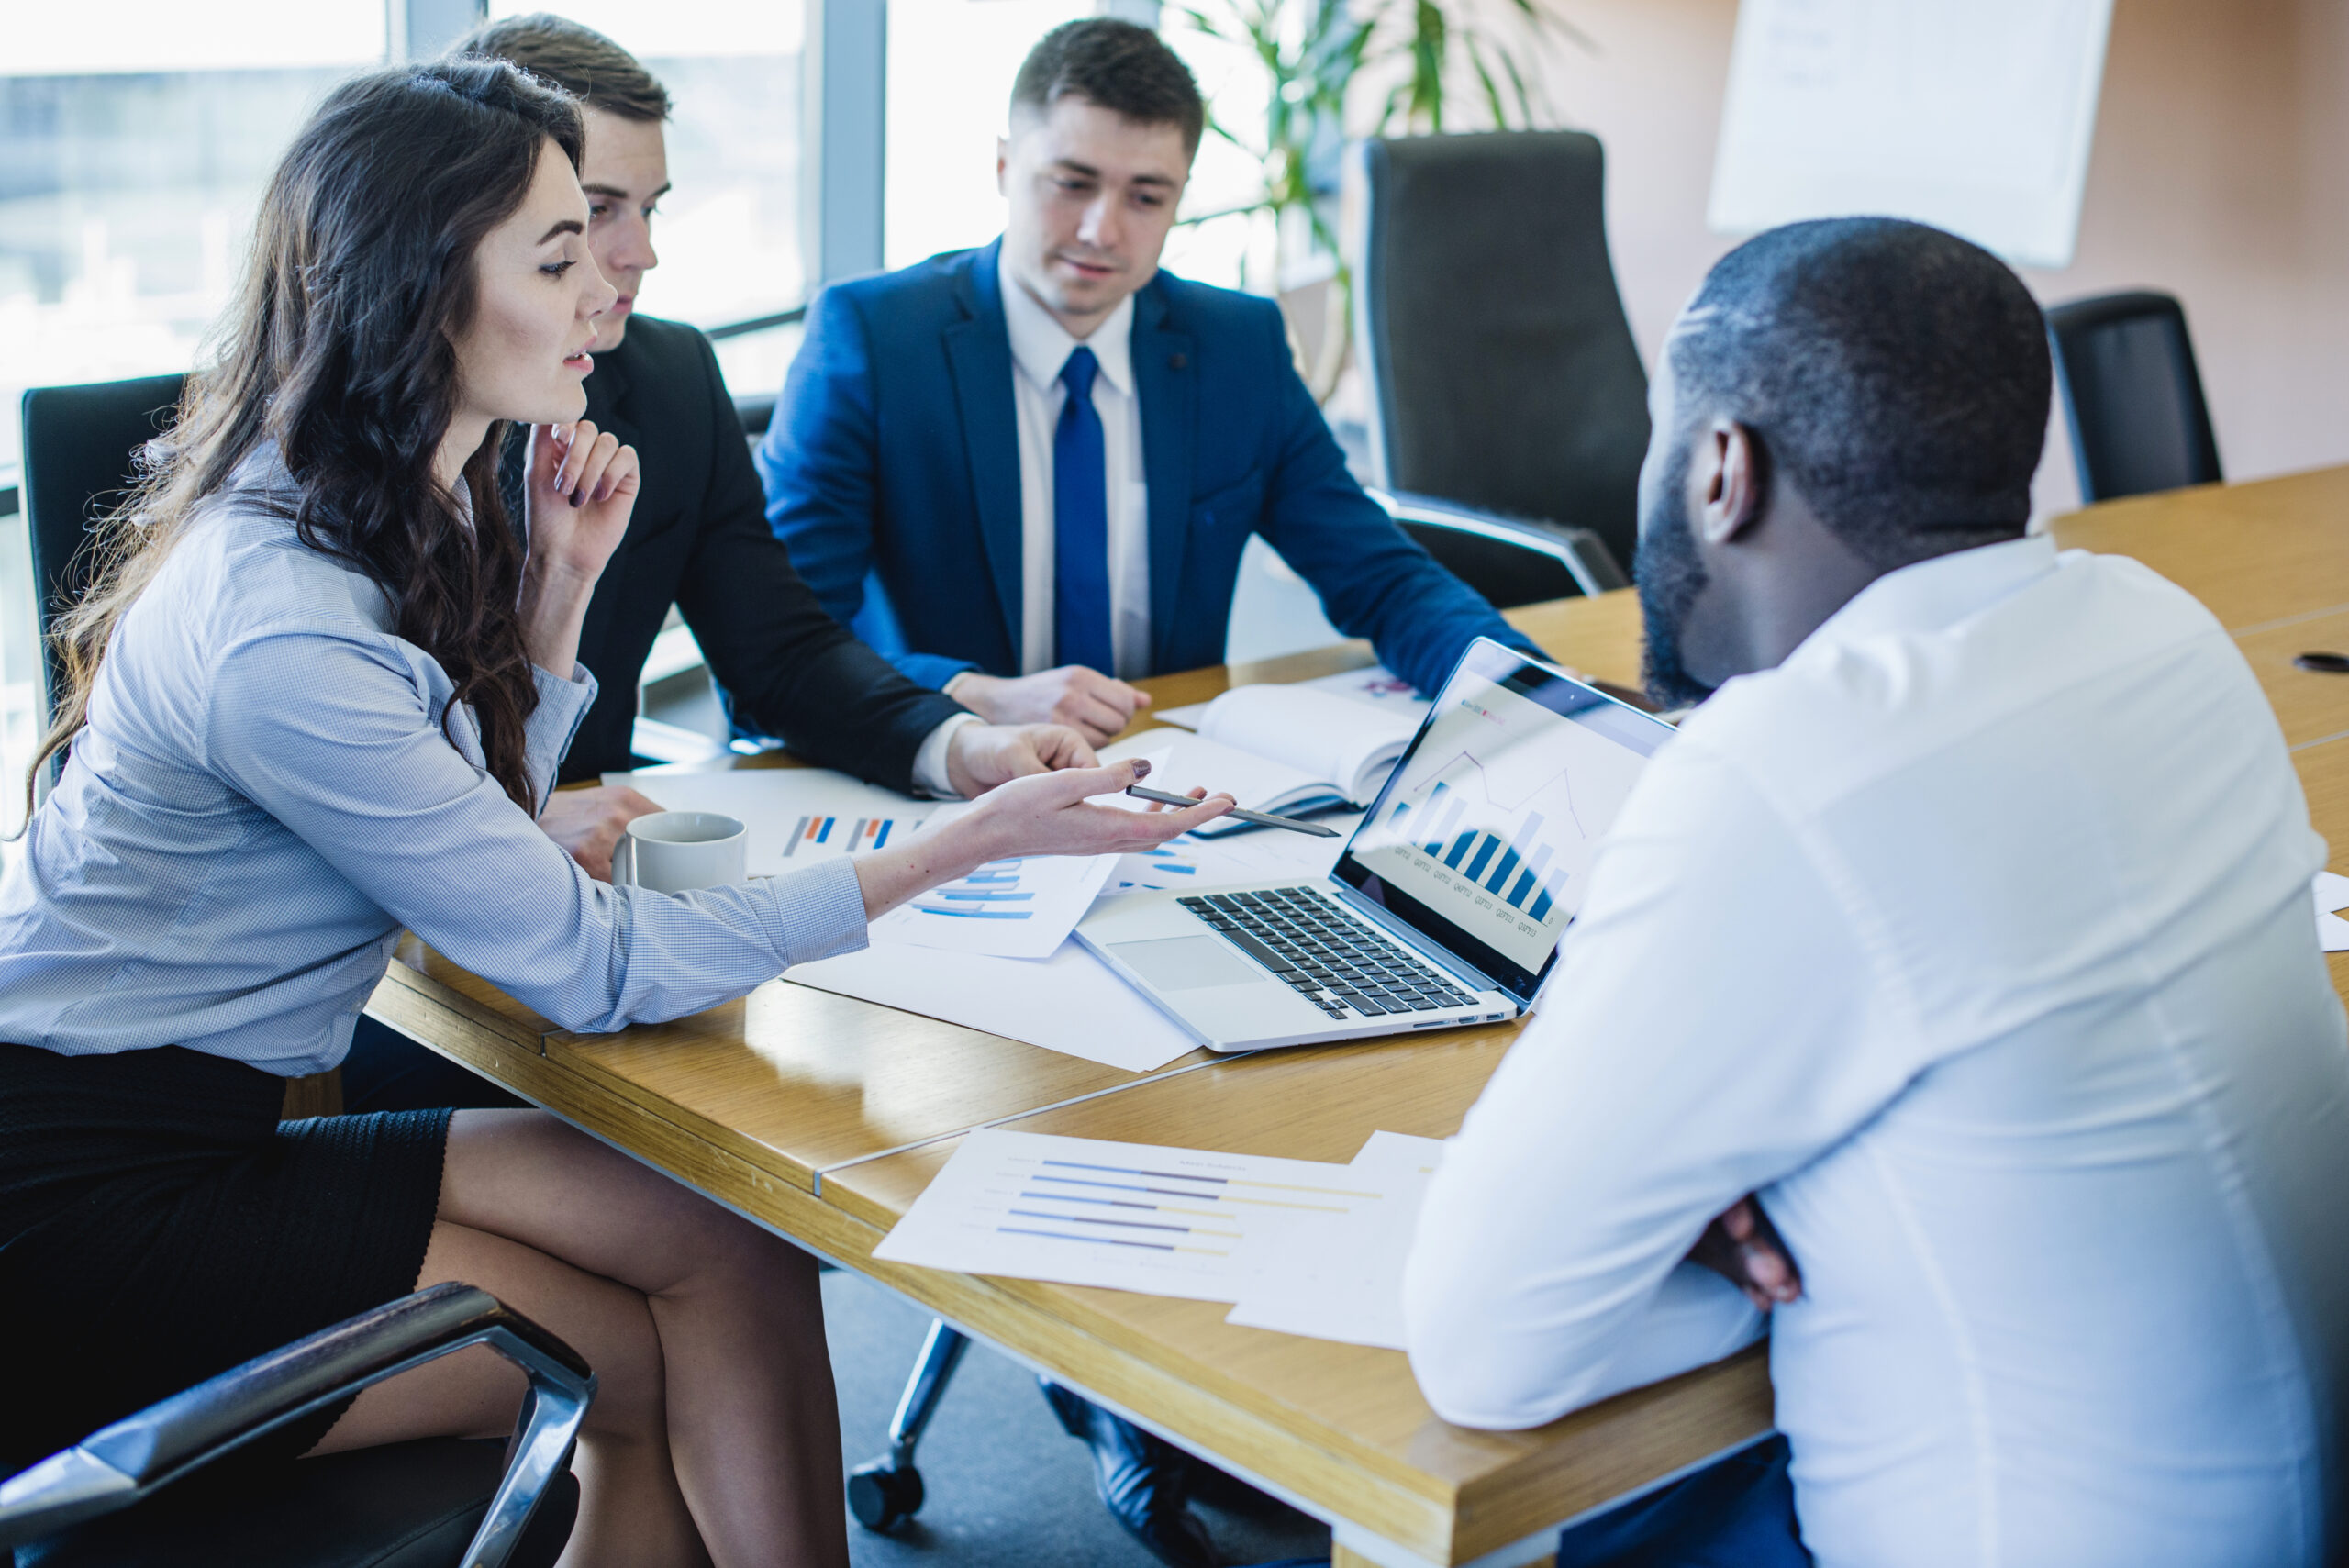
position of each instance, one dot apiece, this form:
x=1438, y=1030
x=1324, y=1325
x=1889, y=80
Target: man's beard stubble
x=1670, y=577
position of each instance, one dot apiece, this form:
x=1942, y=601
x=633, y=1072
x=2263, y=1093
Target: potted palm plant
x=1335, y=68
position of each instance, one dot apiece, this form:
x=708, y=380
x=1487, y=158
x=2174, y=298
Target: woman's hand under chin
x=579, y=493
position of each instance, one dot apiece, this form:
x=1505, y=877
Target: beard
x=1670, y=577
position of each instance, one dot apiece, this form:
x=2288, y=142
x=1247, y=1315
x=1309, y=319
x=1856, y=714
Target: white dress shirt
x=1039, y=347
x=1975, y=938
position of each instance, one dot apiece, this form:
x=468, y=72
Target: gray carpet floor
x=1006, y=1487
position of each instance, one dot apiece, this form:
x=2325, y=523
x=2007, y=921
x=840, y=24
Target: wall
x=2220, y=174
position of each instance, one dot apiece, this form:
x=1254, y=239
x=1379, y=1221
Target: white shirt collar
x=1937, y=593
x=1041, y=345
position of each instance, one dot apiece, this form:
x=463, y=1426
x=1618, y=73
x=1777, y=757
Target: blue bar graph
x=1459, y=848
x=1486, y=846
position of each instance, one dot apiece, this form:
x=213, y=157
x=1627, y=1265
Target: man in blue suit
x=1025, y=473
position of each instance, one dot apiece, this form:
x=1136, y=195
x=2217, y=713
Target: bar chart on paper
x=847, y=835
x=1182, y=1222
x=1010, y=908
x=1500, y=817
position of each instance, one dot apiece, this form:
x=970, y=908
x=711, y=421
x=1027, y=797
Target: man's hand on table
x=587, y=823
x=981, y=756
x=1093, y=704
x=1742, y=1247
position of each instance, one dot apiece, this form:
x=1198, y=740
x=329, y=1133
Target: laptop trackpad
x=1187, y=964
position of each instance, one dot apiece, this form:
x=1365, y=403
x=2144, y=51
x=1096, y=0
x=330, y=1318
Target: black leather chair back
x=1502, y=369
x=80, y=443
x=2131, y=395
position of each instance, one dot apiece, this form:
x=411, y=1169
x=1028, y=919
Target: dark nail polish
x=576, y=497
x=1141, y=767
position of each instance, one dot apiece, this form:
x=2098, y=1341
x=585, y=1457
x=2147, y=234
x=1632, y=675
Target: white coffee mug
x=675, y=851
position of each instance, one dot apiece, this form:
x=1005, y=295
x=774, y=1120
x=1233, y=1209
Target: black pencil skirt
x=158, y=1225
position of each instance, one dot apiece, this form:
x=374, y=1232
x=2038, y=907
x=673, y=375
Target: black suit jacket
x=699, y=538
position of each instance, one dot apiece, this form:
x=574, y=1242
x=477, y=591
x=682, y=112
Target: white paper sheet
x=1975, y=115
x=1070, y=1002
x=1021, y=907
x=794, y=814
x=1181, y=1222
x=1342, y=1278
x=2332, y=890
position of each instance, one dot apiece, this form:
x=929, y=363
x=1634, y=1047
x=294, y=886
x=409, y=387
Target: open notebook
x=1288, y=748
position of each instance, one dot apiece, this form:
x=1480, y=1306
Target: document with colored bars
x=1181, y=1222
x=1498, y=816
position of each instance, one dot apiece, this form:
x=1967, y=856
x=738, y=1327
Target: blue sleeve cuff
x=816, y=912
x=547, y=734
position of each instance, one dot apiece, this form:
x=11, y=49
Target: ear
x=1002, y=166
x=1728, y=473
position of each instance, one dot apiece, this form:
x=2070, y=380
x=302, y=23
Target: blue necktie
x=1080, y=525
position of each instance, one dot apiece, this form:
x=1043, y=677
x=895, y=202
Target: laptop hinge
x=1425, y=946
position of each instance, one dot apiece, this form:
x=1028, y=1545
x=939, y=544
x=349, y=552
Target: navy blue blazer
x=892, y=473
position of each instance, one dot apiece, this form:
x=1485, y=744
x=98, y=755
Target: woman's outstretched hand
x=1043, y=813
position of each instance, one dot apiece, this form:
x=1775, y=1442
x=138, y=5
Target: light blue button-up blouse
x=266, y=794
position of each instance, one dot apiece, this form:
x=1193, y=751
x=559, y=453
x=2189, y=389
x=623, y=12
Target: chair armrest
x=1581, y=551
x=141, y=1453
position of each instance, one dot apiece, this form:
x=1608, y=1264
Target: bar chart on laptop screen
x=1498, y=816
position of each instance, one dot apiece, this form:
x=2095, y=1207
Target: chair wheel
x=881, y=1498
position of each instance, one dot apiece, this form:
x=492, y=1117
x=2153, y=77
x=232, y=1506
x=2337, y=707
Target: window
x=951, y=66
x=728, y=234
x=136, y=137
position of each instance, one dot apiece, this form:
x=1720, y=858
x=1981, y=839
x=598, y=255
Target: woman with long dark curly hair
x=315, y=696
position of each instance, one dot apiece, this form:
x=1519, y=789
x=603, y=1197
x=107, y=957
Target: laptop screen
x=1483, y=838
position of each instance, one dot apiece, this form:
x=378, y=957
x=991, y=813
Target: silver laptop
x=1445, y=907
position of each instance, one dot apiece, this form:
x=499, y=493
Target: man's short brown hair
x=1125, y=69
x=580, y=61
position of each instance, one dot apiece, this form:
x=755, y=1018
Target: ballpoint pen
x=1262, y=819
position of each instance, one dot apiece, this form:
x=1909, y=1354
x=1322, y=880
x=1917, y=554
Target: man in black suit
x=699, y=539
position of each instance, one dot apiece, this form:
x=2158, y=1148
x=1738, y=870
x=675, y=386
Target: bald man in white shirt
x=1965, y=924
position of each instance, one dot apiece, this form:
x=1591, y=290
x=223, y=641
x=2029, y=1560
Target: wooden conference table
x=824, y=1117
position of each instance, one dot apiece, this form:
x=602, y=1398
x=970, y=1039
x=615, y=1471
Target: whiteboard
x=1975, y=115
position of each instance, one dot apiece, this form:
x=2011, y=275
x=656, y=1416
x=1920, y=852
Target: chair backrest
x=1508, y=562
x=80, y=446
x=1502, y=370
x=2131, y=395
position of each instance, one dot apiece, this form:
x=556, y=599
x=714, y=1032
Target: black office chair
x=2131, y=394
x=80, y=443
x=417, y=1504
x=1502, y=373
x=1508, y=561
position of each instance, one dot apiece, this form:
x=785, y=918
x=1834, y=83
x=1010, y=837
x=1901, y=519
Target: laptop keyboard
x=1325, y=955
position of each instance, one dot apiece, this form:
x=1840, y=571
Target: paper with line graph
x=1182, y=1222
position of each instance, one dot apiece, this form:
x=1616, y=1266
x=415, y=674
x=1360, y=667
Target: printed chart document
x=1181, y=1222
x=1018, y=907
x=1342, y=1279
x=1092, y=1014
x=794, y=814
